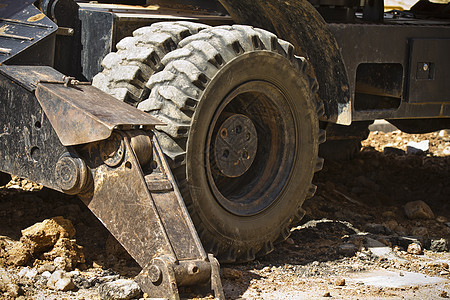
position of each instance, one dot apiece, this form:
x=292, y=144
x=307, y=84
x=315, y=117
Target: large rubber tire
x=344, y=142
x=245, y=73
x=126, y=72
x=4, y=178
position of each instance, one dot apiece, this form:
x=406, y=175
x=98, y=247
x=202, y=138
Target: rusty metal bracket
x=90, y=115
x=146, y=214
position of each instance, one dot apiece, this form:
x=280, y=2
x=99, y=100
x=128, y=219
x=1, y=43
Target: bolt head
x=154, y=273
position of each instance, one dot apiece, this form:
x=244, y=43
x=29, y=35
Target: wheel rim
x=263, y=149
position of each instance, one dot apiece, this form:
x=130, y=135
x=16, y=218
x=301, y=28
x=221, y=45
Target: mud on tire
x=221, y=85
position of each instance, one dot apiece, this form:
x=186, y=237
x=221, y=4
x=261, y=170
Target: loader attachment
x=73, y=138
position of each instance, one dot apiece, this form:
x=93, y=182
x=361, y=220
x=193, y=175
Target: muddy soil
x=356, y=240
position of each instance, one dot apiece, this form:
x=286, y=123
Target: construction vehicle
x=223, y=104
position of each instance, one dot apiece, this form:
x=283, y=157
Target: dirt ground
x=354, y=241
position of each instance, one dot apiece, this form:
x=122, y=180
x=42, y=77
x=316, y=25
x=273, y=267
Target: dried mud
x=359, y=204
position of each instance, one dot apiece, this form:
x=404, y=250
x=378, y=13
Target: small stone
x=443, y=294
x=440, y=245
x=60, y=281
x=28, y=273
x=96, y=265
x=415, y=249
x=391, y=224
x=290, y=241
x=327, y=294
x=400, y=230
x=46, y=274
x=389, y=214
x=376, y=228
x=419, y=231
x=231, y=274
x=441, y=219
x=418, y=210
x=12, y=289
x=417, y=148
x=340, y=282
x=444, y=273
x=393, y=151
x=347, y=249
x=66, y=254
x=74, y=273
x=122, y=289
x=5, y=278
x=46, y=267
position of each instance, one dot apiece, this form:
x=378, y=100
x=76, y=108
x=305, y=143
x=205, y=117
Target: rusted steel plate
x=83, y=114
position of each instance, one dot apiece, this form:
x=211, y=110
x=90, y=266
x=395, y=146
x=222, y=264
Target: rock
x=231, y=274
x=290, y=241
x=417, y=148
x=441, y=219
x=389, y=214
x=66, y=254
x=327, y=294
x=419, y=231
x=60, y=281
x=46, y=274
x=443, y=294
x=393, y=151
x=415, y=249
x=391, y=224
x=28, y=273
x=405, y=241
x=347, y=249
x=340, y=282
x=19, y=254
x=440, y=245
x=380, y=250
x=418, y=210
x=400, y=230
x=376, y=229
x=42, y=236
x=12, y=290
x=446, y=151
x=122, y=289
x=46, y=267
x=5, y=279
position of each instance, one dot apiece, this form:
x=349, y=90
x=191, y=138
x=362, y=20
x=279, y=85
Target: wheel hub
x=236, y=145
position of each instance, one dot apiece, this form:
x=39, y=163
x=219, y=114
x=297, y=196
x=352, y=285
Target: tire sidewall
x=266, y=225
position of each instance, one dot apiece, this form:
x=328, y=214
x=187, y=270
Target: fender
x=298, y=22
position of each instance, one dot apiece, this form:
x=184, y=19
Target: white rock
x=415, y=148
x=5, y=278
x=121, y=289
x=60, y=281
x=46, y=274
x=74, y=273
x=446, y=151
x=28, y=273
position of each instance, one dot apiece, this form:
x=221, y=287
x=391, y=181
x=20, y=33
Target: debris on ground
x=378, y=227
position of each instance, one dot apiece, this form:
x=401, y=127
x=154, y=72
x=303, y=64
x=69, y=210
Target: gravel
x=356, y=227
